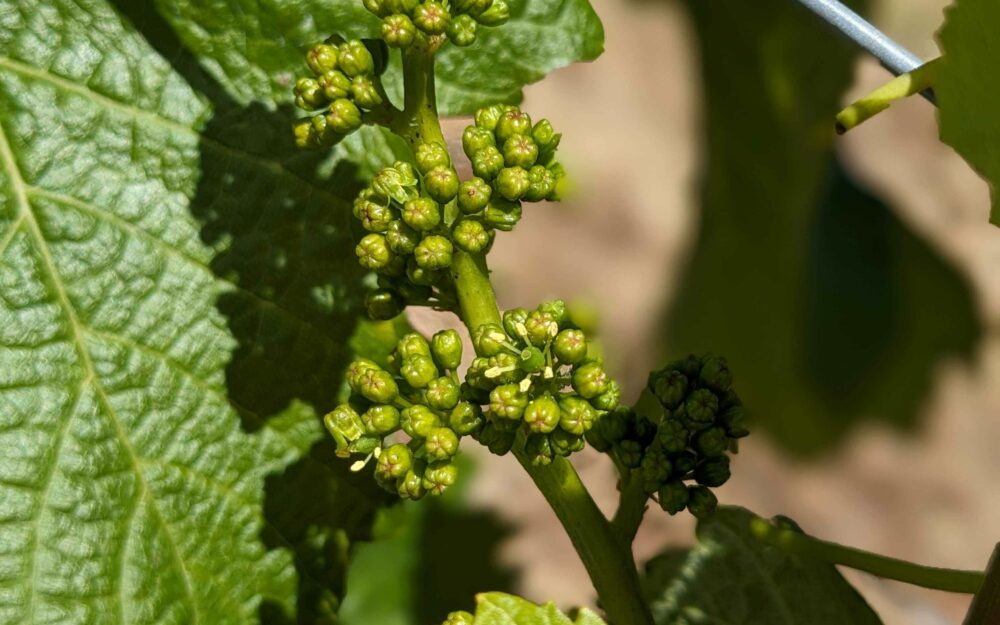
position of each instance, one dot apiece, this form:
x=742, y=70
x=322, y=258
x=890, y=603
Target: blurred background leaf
x=829, y=308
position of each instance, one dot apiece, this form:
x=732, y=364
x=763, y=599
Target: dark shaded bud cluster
x=408, y=418
x=513, y=161
x=536, y=376
x=343, y=86
x=409, y=244
x=411, y=22
x=683, y=456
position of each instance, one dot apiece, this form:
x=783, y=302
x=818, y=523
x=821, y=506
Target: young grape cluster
x=409, y=22
x=343, y=85
x=701, y=421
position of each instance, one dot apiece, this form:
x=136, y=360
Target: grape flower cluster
x=343, y=86
x=701, y=421
x=410, y=22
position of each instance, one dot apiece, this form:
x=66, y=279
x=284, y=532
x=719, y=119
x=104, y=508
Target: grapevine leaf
x=422, y=537
x=967, y=93
x=497, y=608
x=257, y=54
x=730, y=577
x=828, y=307
x=171, y=268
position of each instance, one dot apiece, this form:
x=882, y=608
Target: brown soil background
x=930, y=497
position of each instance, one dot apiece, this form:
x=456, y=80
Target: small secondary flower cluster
x=411, y=22
x=541, y=380
x=344, y=83
x=701, y=421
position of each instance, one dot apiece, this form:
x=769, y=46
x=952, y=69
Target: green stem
x=418, y=121
x=985, y=608
x=882, y=98
x=950, y=580
x=631, y=508
x=476, y=299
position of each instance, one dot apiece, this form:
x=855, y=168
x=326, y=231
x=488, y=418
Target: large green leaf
x=829, y=308
x=497, y=608
x=171, y=269
x=968, y=92
x=255, y=47
x=732, y=578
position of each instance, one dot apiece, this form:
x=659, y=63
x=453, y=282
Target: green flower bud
x=355, y=59
x=433, y=252
x=421, y=214
x=711, y=442
x=532, y=360
x=442, y=184
x=470, y=236
x=418, y=370
x=446, y=346
x=542, y=184
x=365, y=93
x=629, y=453
x=610, y=398
x=496, y=439
x=512, y=182
x=656, y=469
x=512, y=319
x=345, y=426
x=418, y=421
x=508, y=402
x=502, y=214
x=669, y=387
x=471, y=7
x=701, y=502
x=641, y=429
x=474, y=195
x=439, y=476
x=538, y=449
x=335, y=85
x=557, y=308
x=520, y=151
x=459, y=618
x=305, y=136
x=413, y=344
x=672, y=435
x=542, y=414
x=713, y=471
x=590, y=380
x=689, y=366
x=487, y=162
x=475, y=138
x=576, y=415
x=475, y=376
x=503, y=369
x=545, y=136
x=398, y=31
x=432, y=17
x=700, y=406
x=344, y=117
x=466, y=418
x=374, y=217
x=420, y=276
x=512, y=122
x=430, y=155
x=673, y=497
x=684, y=464
x=405, y=7
x=356, y=371
x=541, y=328
x=411, y=485
x=734, y=420
x=383, y=304
x=488, y=116
x=378, y=386
x=441, y=443
x=397, y=182
x=496, y=15
x=324, y=133
x=308, y=94
x=564, y=443
x=376, y=7
x=322, y=58
x=442, y=393
x=489, y=339
x=394, y=461
x=401, y=238
x=373, y=252
x=715, y=374
x=395, y=269
x=608, y=430
x=462, y=30
x=364, y=445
